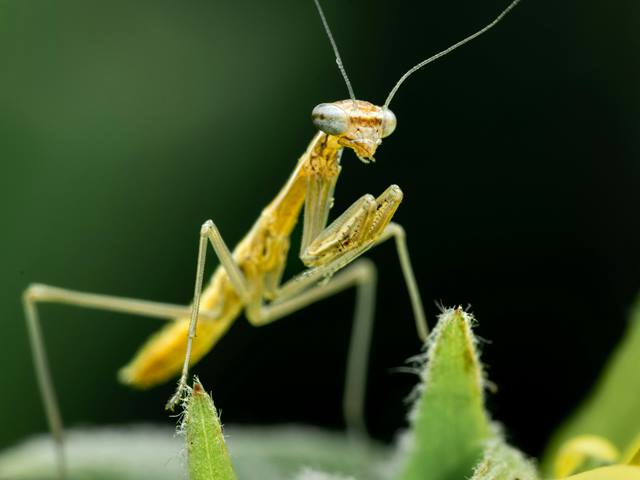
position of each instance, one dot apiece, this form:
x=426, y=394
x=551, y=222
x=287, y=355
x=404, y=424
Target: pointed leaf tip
x=450, y=425
x=208, y=456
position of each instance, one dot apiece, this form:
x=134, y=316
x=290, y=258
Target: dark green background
x=124, y=125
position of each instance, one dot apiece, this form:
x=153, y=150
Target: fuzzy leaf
x=503, y=462
x=612, y=410
x=450, y=425
x=208, y=457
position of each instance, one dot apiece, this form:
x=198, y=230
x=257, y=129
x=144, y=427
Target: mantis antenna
x=335, y=50
x=445, y=51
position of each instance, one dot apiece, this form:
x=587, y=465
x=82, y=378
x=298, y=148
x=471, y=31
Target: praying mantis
x=249, y=277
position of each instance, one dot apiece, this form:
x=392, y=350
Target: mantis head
x=361, y=125
x=357, y=124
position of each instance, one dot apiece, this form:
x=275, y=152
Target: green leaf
x=612, y=410
x=503, y=462
x=450, y=425
x=208, y=457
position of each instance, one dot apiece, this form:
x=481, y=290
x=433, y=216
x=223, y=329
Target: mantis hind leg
x=362, y=275
x=37, y=293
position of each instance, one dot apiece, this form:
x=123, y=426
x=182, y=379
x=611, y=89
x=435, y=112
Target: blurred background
x=125, y=125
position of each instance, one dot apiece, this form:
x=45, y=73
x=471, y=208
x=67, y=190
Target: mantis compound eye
x=388, y=122
x=330, y=118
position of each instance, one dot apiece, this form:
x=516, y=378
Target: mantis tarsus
x=249, y=277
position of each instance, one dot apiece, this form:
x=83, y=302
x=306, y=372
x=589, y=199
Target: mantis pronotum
x=249, y=277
